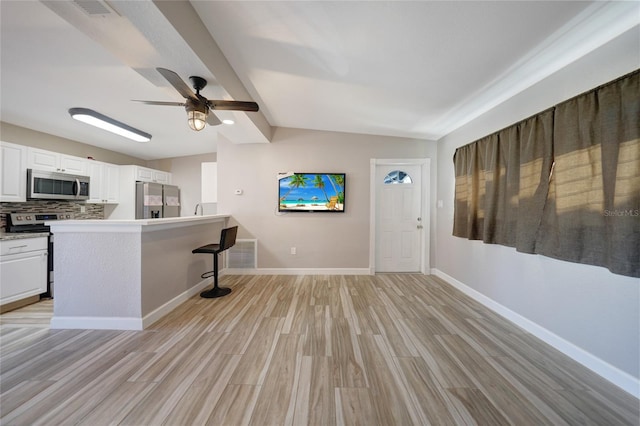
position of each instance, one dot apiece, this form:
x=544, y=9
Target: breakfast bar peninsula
x=127, y=274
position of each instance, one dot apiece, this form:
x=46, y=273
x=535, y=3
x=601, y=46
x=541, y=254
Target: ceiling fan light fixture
x=197, y=106
x=196, y=120
x=101, y=121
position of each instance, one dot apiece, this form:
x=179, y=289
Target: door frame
x=425, y=172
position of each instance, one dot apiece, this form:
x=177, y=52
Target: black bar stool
x=227, y=240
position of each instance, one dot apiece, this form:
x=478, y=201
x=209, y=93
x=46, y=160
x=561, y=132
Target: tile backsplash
x=92, y=211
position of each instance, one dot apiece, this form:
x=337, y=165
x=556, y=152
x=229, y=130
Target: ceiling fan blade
x=212, y=120
x=160, y=103
x=177, y=83
x=233, y=106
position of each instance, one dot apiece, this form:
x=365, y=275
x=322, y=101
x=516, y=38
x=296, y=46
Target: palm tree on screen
x=339, y=180
x=297, y=181
x=319, y=183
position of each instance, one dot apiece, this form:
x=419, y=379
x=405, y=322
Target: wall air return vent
x=243, y=255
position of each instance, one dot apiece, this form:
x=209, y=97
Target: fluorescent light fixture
x=96, y=119
x=227, y=121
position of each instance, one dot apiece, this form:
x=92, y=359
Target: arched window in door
x=397, y=177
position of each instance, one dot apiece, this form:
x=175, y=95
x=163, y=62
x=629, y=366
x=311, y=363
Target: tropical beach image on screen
x=312, y=192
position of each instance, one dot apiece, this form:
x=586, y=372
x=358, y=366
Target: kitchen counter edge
x=135, y=225
x=7, y=236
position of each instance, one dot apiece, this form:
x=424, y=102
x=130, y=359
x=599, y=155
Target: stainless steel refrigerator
x=154, y=200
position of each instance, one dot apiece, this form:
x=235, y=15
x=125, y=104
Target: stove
x=33, y=223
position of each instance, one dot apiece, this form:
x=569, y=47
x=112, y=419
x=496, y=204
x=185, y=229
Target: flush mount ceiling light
x=96, y=119
x=228, y=121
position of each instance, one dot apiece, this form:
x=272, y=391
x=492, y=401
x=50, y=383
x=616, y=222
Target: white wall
x=322, y=240
x=186, y=173
x=586, y=307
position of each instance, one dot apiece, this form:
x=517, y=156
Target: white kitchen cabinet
x=161, y=177
x=73, y=165
x=40, y=159
x=111, y=182
x=13, y=173
x=23, y=268
x=94, y=170
x=144, y=174
x=105, y=182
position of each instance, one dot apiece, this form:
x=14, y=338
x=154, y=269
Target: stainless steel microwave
x=44, y=185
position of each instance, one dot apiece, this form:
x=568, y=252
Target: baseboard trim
x=127, y=323
x=96, y=323
x=623, y=380
x=163, y=310
x=298, y=271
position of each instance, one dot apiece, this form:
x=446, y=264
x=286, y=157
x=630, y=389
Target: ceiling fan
x=197, y=106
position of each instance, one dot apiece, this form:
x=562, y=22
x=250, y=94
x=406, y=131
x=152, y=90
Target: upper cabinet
x=16, y=159
x=144, y=174
x=13, y=175
x=41, y=159
x=105, y=182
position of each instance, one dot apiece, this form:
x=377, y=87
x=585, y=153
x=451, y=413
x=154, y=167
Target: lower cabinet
x=23, y=268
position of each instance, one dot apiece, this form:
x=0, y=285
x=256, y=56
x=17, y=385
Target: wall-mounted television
x=311, y=192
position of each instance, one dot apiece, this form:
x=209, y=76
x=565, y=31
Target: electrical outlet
x=83, y=209
x=293, y=250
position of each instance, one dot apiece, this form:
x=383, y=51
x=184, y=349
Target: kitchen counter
x=6, y=236
x=127, y=274
x=107, y=225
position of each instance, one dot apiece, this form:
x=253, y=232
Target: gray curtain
x=502, y=182
x=592, y=212
x=564, y=183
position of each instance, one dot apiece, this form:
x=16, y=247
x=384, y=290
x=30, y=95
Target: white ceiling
x=410, y=69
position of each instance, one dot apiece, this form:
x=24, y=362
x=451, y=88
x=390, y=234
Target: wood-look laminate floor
x=297, y=350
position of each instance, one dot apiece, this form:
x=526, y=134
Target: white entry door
x=398, y=218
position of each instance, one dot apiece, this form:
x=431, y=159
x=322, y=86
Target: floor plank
x=302, y=350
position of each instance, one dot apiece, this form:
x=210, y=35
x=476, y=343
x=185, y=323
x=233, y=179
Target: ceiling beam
x=185, y=20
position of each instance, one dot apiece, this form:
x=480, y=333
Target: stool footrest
x=208, y=274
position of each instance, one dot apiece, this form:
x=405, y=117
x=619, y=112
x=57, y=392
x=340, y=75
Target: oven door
x=56, y=186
